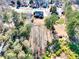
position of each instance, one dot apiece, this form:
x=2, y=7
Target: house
x=41, y=2
x=21, y=1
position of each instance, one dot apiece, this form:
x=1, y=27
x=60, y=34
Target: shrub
x=25, y=30
x=49, y=22
x=29, y=56
x=10, y=55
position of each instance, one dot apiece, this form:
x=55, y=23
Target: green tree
x=25, y=30
x=10, y=54
x=53, y=9
x=72, y=20
x=70, y=28
x=72, y=23
x=31, y=1
x=29, y=56
x=49, y=22
x=5, y=17
x=16, y=19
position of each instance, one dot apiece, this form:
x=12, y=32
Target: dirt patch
x=61, y=30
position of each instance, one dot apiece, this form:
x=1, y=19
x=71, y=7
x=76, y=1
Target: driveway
x=38, y=38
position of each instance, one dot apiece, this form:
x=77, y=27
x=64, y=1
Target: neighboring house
x=37, y=2
x=22, y=1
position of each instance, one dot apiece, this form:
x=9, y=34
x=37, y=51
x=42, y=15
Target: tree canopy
x=50, y=21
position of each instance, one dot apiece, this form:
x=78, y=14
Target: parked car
x=39, y=14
